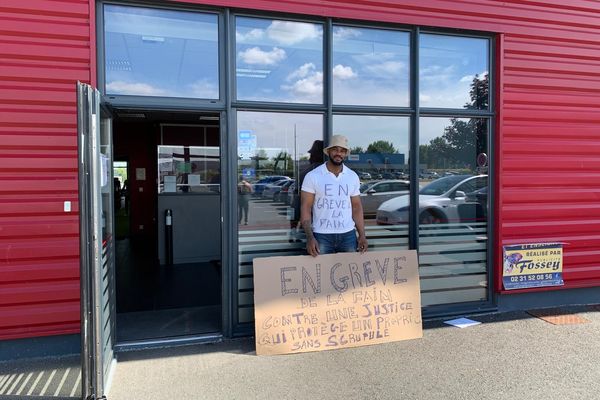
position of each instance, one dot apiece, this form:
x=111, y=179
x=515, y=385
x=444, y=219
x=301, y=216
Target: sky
x=157, y=52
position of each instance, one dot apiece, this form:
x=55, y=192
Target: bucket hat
x=339, y=141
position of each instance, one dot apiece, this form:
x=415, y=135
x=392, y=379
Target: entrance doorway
x=168, y=259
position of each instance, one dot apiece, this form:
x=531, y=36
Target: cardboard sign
x=532, y=265
x=336, y=301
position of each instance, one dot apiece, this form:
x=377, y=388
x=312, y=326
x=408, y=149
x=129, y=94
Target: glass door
x=96, y=204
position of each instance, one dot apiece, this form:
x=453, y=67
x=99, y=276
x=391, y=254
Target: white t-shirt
x=332, y=210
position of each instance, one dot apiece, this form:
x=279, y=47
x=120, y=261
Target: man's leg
x=347, y=242
x=326, y=242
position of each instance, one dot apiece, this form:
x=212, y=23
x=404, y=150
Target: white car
x=272, y=189
x=372, y=194
x=439, y=201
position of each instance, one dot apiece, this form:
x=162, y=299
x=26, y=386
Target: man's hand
x=312, y=246
x=362, y=244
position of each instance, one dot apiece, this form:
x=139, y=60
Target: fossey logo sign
x=335, y=301
x=532, y=265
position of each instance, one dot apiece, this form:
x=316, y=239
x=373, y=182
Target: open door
x=97, y=262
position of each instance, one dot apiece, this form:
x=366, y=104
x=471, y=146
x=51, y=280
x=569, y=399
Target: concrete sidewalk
x=508, y=356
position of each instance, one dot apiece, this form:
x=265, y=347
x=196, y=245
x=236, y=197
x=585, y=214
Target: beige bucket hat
x=339, y=141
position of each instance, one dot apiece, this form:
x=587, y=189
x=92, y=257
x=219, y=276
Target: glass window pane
x=279, y=60
x=454, y=72
x=453, y=210
x=153, y=52
x=370, y=67
x=275, y=151
x=379, y=155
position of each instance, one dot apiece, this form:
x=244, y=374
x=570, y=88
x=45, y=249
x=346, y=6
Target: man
x=244, y=192
x=331, y=211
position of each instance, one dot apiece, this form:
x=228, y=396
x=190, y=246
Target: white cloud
x=308, y=89
x=343, y=33
x=302, y=72
x=251, y=36
x=369, y=92
x=342, y=72
x=142, y=89
x=255, y=55
x=386, y=68
x=289, y=32
x=373, y=58
x=205, y=89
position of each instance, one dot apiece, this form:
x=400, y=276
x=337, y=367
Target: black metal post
x=169, y=236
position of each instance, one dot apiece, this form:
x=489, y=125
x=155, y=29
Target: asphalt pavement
x=508, y=356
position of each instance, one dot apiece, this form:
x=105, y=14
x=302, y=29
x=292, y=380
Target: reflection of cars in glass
x=290, y=195
x=475, y=207
x=438, y=201
x=282, y=194
x=273, y=188
x=429, y=175
x=372, y=194
x=260, y=185
x=364, y=175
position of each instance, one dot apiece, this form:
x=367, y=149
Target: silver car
x=439, y=201
x=374, y=193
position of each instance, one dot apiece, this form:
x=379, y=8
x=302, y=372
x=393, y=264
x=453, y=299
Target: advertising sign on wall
x=532, y=265
x=335, y=301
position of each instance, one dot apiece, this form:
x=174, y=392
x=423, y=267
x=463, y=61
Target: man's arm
x=359, y=221
x=306, y=203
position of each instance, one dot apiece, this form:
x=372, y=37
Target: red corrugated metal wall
x=44, y=50
x=547, y=144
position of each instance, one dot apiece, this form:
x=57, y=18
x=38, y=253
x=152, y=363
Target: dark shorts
x=337, y=242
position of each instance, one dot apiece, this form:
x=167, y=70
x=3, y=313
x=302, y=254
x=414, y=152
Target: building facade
x=488, y=112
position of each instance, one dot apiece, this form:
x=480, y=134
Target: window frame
x=228, y=105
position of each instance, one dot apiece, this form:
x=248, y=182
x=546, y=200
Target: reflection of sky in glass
x=431, y=128
x=448, y=65
x=279, y=60
x=275, y=131
x=152, y=52
x=363, y=130
x=370, y=67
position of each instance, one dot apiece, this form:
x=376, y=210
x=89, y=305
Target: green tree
x=466, y=138
x=357, y=150
x=381, y=146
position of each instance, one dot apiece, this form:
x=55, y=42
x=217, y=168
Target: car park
x=259, y=186
x=374, y=193
x=439, y=201
x=364, y=175
x=282, y=194
x=429, y=175
x=272, y=189
x=291, y=195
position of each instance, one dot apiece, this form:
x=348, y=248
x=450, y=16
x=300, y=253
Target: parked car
x=282, y=194
x=429, y=175
x=291, y=195
x=272, y=189
x=438, y=201
x=364, y=175
x=374, y=193
x=260, y=185
x=475, y=207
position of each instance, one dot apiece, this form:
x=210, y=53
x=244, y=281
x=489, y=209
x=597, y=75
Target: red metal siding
x=44, y=50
